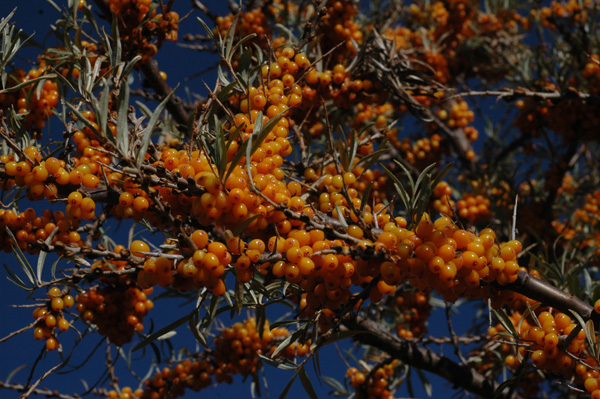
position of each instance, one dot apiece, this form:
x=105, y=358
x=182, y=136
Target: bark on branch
x=409, y=352
x=544, y=292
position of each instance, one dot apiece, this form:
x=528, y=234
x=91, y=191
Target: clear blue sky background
x=36, y=16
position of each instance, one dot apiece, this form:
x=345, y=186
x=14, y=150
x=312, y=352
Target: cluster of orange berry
x=442, y=201
x=204, y=269
x=573, y=11
x=339, y=25
x=36, y=106
x=422, y=152
x=249, y=22
x=50, y=317
x=414, y=309
x=143, y=30
x=583, y=219
x=236, y=352
x=452, y=261
x=474, y=208
x=591, y=72
x=373, y=383
x=459, y=116
x=540, y=340
x=44, y=177
x=116, y=310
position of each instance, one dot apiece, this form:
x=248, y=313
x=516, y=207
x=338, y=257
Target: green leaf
x=15, y=279
x=123, y=109
x=29, y=83
x=197, y=333
x=407, y=173
x=238, y=155
x=43, y=254
x=425, y=381
x=505, y=321
x=372, y=158
x=288, y=386
x=307, y=384
x=220, y=149
x=288, y=340
x=280, y=363
x=263, y=131
x=82, y=118
x=166, y=329
x=341, y=217
x=53, y=268
x=242, y=41
x=13, y=373
x=229, y=38
x=399, y=189
x=336, y=385
x=129, y=66
x=147, y=133
x=442, y=174
x=242, y=226
x=116, y=55
x=22, y=260
x=102, y=116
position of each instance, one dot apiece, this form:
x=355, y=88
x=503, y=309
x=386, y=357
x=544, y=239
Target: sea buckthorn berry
x=90, y=181
x=75, y=198
x=57, y=303
x=126, y=199
x=141, y=204
x=200, y=238
x=597, y=306
x=87, y=205
x=51, y=344
x=137, y=247
x=40, y=173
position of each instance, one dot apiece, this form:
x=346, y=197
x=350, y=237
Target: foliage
x=361, y=166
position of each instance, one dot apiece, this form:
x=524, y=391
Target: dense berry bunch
x=584, y=219
x=50, y=318
x=142, y=29
x=236, y=352
x=474, y=208
x=34, y=104
x=372, y=383
x=116, y=311
x=551, y=341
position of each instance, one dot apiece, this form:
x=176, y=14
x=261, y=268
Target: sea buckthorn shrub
x=364, y=168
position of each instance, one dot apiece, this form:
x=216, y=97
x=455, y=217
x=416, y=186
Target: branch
x=39, y=391
x=510, y=95
x=544, y=292
x=409, y=352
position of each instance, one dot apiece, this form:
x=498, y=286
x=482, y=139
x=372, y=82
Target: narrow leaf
x=307, y=384
x=166, y=329
x=123, y=109
x=22, y=260
x=43, y=254
x=147, y=133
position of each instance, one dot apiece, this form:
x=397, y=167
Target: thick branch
x=549, y=295
x=409, y=352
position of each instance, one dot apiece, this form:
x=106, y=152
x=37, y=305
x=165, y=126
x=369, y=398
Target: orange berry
x=137, y=247
x=141, y=204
